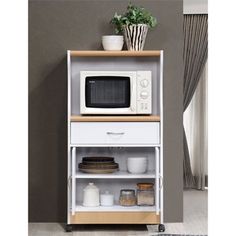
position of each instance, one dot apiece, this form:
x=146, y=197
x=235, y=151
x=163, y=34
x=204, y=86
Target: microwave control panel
x=144, y=92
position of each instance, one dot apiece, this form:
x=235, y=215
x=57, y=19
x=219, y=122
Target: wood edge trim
x=114, y=119
x=86, y=53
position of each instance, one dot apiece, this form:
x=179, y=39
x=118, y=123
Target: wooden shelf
x=115, y=208
x=116, y=175
x=115, y=118
x=148, y=53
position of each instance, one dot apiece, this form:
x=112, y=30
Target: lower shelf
x=115, y=218
x=116, y=208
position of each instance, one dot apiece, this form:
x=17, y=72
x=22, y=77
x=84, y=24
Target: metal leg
x=161, y=228
x=157, y=199
x=159, y=183
x=68, y=228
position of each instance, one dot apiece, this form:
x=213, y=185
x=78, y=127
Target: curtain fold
x=195, y=55
x=197, y=134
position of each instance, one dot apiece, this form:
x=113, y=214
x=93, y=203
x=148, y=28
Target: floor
x=195, y=215
x=195, y=222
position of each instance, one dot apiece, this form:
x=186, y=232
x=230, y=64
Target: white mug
x=107, y=199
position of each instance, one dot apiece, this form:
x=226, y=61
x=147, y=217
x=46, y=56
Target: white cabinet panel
x=115, y=133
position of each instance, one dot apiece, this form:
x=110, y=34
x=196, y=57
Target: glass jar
x=127, y=197
x=145, y=194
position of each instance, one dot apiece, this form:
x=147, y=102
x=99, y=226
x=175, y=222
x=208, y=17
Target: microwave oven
x=115, y=92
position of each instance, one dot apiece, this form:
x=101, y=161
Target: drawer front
x=125, y=133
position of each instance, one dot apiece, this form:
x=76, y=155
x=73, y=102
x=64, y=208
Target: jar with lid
x=91, y=195
x=145, y=194
x=127, y=197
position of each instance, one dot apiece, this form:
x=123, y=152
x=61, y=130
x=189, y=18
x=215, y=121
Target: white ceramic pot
x=112, y=42
x=91, y=196
x=107, y=199
x=137, y=165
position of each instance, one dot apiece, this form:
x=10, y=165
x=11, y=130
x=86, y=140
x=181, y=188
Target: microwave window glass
x=107, y=91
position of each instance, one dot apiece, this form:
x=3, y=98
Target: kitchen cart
x=118, y=136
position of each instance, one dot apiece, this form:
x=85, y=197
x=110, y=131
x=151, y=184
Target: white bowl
x=112, y=42
x=137, y=165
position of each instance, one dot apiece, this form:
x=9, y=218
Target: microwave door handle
x=133, y=97
x=115, y=133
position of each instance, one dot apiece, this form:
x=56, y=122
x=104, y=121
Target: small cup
x=107, y=199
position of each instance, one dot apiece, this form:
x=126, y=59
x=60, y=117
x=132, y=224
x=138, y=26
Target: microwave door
x=107, y=92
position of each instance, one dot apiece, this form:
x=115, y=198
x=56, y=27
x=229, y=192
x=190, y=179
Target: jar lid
x=145, y=186
x=91, y=186
x=127, y=192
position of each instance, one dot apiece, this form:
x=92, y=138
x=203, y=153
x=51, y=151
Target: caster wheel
x=69, y=228
x=161, y=228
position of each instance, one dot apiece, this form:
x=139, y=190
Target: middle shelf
x=116, y=175
x=128, y=163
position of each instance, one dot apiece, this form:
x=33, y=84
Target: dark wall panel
x=58, y=25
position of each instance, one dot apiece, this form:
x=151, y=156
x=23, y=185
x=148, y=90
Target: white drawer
x=124, y=133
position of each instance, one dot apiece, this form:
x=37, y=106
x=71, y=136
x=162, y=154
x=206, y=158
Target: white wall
x=195, y=6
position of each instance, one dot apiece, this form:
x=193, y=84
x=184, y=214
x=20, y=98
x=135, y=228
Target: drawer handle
x=114, y=133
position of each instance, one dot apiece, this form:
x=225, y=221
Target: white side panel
x=161, y=137
x=91, y=133
x=68, y=136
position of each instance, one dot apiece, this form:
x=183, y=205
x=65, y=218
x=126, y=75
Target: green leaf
x=133, y=15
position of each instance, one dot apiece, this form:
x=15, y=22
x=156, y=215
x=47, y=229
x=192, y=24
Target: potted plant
x=134, y=24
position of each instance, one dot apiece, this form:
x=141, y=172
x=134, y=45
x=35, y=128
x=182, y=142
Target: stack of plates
x=98, y=165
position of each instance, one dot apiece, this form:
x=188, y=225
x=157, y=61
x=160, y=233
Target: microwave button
x=144, y=94
x=144, y=83
x=143, y=106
